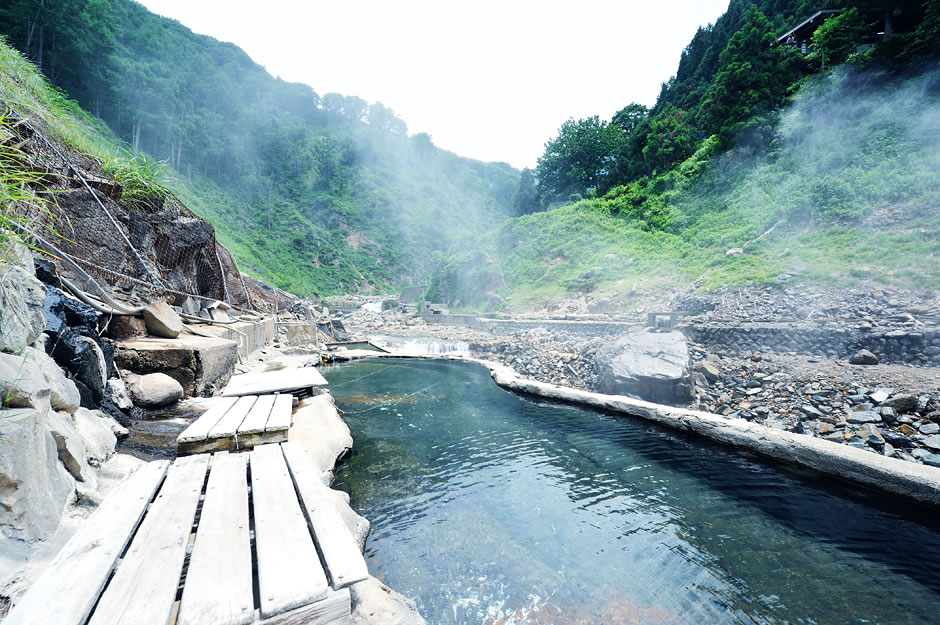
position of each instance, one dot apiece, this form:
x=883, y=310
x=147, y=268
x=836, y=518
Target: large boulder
x=162, y=320
x=31, y=377
x=35, y=487
x=97, y=432
x=154, y=390
x=21, y=299
x=653, y=366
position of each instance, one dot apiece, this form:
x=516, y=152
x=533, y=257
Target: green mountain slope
x=777, y=166
x=314, y=194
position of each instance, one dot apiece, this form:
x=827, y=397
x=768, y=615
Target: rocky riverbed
x=888, y=409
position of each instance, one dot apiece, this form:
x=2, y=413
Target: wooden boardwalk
x=234, y=423
x=230, y=539
x=281, y=381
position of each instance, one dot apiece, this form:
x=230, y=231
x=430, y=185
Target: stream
x=489, y=508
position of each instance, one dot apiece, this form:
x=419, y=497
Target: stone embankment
x=780, y=372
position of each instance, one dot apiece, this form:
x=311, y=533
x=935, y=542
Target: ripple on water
x=487, y=508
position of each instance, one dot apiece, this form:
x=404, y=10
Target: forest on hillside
x=731, y=82
x=315, y=193
x=762, y=161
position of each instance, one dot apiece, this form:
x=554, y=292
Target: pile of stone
x=883, y=307
x=883, y=420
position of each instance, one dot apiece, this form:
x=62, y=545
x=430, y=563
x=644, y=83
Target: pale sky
x=492, y=80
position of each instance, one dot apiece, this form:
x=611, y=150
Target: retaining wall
x=895, y=346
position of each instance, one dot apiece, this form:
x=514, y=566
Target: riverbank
x=913, y=481
x=785, y=375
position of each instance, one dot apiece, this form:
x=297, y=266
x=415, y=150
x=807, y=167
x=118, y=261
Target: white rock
x=37, y=487
x=63, y=392
x=154, y=390
x=162, y=320
x=117, y=393
x=70, y=444
x=22, y=383
x=21, y=299
x=97, y=433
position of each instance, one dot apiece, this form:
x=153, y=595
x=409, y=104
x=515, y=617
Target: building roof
x=810, y=24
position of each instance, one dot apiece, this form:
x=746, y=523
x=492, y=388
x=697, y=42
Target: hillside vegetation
x=315, y=194
x=757, y=165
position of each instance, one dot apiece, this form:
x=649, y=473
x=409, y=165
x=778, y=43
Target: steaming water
x=488, y=508
x=421, y=346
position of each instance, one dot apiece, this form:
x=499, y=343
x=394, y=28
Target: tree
x=384, y=118
x=526, y=199
x=629, y=117
x=671, y=138
x=580, y=158
x=838, y=37
x=333, y=102
x=354, y=108
x=753, y=77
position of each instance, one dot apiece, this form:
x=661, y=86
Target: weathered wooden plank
x=344, y=562
x=289, y=571
x=228, y=425
x=198, y=430
x=334, y=610
x=143, y=589
x=69, y=587
x=257, y=417
x=218, y=583
x=273, y=381
x=281, y=413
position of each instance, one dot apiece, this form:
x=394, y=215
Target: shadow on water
x=491, y=508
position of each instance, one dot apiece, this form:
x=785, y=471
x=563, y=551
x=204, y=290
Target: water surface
x=488, y=508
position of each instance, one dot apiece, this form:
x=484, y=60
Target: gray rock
x=117, y=393
x=70, y=445
x=22, y=383
x=864, y=416
x=162, y=320
x=63, y=393
x=708, y=370
x=901, y=402
x=881, y=394
x=36, y=486
x=931, y=459
x=863, y=357
x=933, y=441
x=888, y=414
x=654, y=366
x=97, y=431
x=154, y=390
x=922, y=401
x=929, y=428
x=21, y=299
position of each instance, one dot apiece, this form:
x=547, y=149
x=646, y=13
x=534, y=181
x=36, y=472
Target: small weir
x=420, y=346
x=488, y=508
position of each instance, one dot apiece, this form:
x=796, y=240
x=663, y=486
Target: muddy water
x=488, y=508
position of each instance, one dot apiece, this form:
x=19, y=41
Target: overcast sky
x=488, y=79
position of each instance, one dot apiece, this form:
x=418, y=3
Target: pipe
x=52, y=250
x=81, y=295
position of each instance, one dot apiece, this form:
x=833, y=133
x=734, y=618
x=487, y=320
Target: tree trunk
x=136, y=142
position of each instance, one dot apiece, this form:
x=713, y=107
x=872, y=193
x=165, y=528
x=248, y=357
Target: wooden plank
x=281, y=413
x=198, y=430
x=69, y=587
x=228, y=425
x=334, y=610
x=218, y=583
x=143, y=589
x=344, y=562
x=257, y=417
x=289, y=571
x=273, y=381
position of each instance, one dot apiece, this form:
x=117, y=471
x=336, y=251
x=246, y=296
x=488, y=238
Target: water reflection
x=487, y=508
